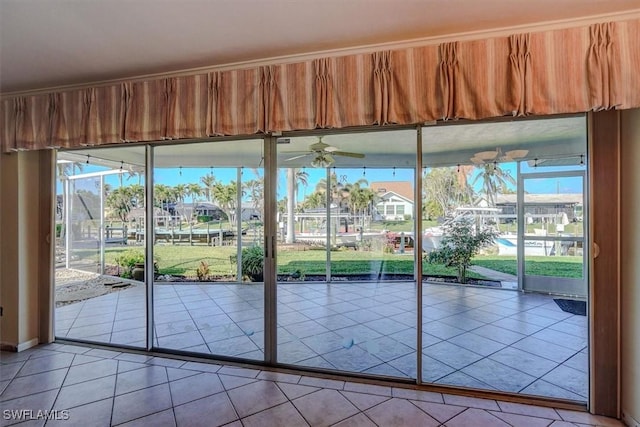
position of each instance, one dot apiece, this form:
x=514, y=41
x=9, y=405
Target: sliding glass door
x=346, y=260
x=207, y=227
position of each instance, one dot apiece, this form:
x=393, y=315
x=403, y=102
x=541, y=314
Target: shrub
x=253, y=263
x=128, y=259
x=460, y=243
x=203, y=271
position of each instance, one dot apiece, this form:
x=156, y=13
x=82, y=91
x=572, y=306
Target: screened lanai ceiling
x=47, y=43
x=443, y=145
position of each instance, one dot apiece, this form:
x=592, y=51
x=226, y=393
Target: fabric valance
x=579, y=69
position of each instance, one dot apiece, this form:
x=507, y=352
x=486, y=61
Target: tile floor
x=484, y=338
x=86, y=386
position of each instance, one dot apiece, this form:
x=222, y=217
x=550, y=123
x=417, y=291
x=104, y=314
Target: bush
x=203, y=271
x=128, y=259
x=58, y=230
x=253, y=263
x=459, y=244
x=204, y=218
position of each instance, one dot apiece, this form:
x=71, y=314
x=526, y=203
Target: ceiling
x=49, y=43
x=443, y=145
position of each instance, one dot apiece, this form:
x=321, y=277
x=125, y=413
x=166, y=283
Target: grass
x=566, y=266
x=185, y=259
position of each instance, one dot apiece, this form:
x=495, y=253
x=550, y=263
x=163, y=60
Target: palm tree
x=255, y=190
x=493, y=179
x=225, y=196
x=193, y=190
x=314, y=200
x=208, y=181
x=302, y=178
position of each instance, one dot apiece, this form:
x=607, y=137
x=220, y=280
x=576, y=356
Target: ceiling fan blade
x=516, y=154
x=487, y=155
x=347, y=154
x=297, y=157
x=477, y=160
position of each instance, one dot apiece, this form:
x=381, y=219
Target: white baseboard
x=19, y=347
x=628, y=419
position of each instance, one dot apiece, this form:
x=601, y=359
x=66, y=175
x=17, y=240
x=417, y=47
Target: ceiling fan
x=323, y=154
x=494, y=156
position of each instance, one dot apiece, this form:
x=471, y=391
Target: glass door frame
x=529, y=283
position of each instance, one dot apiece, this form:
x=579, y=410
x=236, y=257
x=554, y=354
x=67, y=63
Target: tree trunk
x=291, y=203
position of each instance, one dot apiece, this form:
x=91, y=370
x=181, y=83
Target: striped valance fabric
x=580, y=69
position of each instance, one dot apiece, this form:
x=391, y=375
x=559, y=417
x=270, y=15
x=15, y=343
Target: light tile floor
x=86, y=386
x=476, y=337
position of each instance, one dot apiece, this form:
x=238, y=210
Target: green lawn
x=184, y=260
x=566, y=266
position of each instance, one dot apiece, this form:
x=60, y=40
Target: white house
x=395, y=199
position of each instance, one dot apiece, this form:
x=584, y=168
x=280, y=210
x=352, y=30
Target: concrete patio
x=485, y=338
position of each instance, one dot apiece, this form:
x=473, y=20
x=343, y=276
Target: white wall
x=630, y=160
x=21, y=244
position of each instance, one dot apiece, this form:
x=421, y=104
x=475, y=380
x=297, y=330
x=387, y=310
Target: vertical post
x=521, y=228
x=270, y=268
x=417, y=225
x=101, y=239
x=148, y=242
x=238, y=226
x=328, y=228
x=67, y=223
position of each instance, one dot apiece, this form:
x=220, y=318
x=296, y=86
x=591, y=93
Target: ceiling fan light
x=323, y=160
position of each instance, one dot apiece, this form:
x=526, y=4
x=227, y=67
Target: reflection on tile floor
x=85, y=386
x=476, y=337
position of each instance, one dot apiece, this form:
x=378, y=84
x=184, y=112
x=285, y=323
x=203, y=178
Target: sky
x=174, y=176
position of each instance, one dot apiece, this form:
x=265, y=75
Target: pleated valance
x=571, y=70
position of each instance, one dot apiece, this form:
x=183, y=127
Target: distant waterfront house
x=395, y=199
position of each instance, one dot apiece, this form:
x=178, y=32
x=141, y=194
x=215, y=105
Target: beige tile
x=33, y=402
x=324, y=407
x=230, y=382
x=440, y=412
x=359, y=420
x=399, y=412
x=558, y=423
x=534, y=411
x=239, y=372
x=279, y=376
x=473, y=417
x=522, y=420
x=364, y=401
x=427, y=396
x=141, y=403
x=368, y=388
x=256, y=397
x=85, y=392
x=322, y=382
x=284, y=415
x=195, y=387
x=587, y=418
x=210, y=411
x=471, y=402
x=95, y=414
x=293, y=391
x=204, y=367
x=159, y=419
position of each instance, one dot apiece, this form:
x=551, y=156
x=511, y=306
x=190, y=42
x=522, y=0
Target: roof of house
x=402, y=188
x=555, y=198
